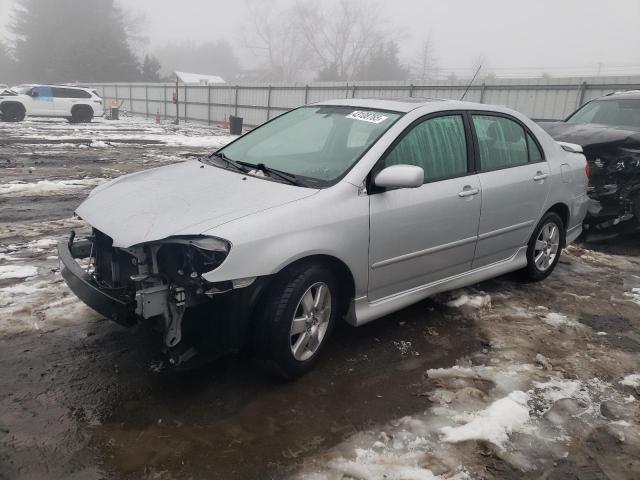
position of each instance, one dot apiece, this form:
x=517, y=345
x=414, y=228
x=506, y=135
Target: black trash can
x=115, y=113
x=235, y=125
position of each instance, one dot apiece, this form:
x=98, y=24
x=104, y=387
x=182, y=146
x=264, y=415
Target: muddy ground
x=412, y=395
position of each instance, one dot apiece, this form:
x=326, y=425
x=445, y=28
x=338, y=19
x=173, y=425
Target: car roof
x=407, y=104
x=623, y=95
x=53, y=85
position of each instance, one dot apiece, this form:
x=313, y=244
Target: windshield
x=316, y=144
x=22, y=88
x=618, y=113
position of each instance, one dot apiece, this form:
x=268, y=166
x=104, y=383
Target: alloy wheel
x=547, y=246
x=310, y=321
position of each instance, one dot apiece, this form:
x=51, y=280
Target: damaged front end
x=614, y=188
x=157, y=281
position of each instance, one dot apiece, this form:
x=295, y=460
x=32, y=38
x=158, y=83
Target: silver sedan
x=343, y=209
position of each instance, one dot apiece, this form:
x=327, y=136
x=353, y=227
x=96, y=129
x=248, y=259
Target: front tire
x=82, y=114
x=13, y=113
x=544, y=248
x=301, y=311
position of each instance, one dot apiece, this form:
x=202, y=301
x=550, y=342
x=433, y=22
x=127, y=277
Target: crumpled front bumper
x=80, y=282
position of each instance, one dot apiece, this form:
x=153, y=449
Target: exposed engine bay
x=157, y=281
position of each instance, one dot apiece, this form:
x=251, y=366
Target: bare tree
x=425, y=67
x=272, y=35
x=340, y=35
x=135, y=25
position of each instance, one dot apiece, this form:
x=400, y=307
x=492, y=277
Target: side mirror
x=35, y=93
x=400, y=176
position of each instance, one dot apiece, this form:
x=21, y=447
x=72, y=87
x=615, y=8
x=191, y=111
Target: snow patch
x=558, y=320
x=99, y=144
x=15, y=293
x=634, y=295
x=474, y=301
x=495, y=423
x=17, y=271
x=631, y=380
x=48, y=187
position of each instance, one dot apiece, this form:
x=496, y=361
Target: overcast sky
x=548, y=35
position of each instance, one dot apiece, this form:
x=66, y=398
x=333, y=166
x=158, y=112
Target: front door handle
x=468, y=191
x=540, y=176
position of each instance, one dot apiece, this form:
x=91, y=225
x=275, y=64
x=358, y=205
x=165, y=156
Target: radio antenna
x=471, y=82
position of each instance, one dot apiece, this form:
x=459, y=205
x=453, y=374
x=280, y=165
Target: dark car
x=608, y=129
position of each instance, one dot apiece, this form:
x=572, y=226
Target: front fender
x=265, y=243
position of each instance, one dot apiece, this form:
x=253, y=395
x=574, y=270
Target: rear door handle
x=540, y=176
x=468, y=191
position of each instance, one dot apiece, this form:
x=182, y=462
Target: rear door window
x=437, y=145
x=77, y=93
x=61, y=92
x=502, y=142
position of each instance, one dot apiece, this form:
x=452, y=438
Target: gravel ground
x=502, y=380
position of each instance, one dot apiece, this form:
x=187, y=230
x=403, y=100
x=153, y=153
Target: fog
x=508, y=37
x=514, y=36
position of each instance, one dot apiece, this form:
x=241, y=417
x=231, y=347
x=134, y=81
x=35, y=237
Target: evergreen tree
x=150, y=69
x=7, y=65
x=72, y=40
x=211, y=58
x=383, y=64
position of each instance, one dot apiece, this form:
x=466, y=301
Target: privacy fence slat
x=539, y=98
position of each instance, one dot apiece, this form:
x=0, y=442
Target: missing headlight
x=185, y=259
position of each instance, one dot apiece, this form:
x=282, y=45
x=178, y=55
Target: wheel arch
x=563, y=211
x=12, y=102
x=338, y=267
x=79, y=106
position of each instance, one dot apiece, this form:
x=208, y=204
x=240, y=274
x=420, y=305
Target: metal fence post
x=482, y=90
x=582, y=89
x=131, y=98
x=411, y=90
x=346, y=90
x=208, y=104
x=116, y=94
x=269, y=102
x=164, y=97
x=146, y=99
x=186, y=100
x=353, y=92
x=306, y=94
x=236, y=102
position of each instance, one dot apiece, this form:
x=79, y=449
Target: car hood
x=182, y=199
x=590, y=135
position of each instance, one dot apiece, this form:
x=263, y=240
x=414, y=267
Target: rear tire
x=81, y=114
x=544, y=248
x=301, y=311
x=13, y=113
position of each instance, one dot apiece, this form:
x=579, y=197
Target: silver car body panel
x=181, y=199
x=463, y=239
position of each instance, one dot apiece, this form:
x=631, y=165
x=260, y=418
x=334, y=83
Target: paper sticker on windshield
x=370, y=117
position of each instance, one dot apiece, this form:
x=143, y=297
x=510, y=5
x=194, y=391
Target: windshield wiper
x=287, y=177
x=230, y=162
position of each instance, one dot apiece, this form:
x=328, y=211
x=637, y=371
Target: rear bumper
x=81, y=283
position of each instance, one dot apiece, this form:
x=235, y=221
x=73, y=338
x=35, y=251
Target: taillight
x=587, y=170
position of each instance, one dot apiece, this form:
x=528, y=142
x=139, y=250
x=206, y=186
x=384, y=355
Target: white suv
x=78, y=105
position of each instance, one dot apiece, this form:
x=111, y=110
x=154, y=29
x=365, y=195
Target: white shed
x=198, y=79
